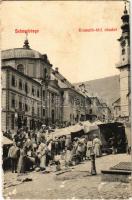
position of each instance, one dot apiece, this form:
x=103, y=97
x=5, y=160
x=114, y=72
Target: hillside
x=105, y=88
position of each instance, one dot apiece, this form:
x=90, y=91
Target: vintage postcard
x=65, y=100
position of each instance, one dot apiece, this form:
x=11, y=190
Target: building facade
x=106, y=113
x=33, y=93
x=21, y=100
x=29, y=97
x=116, y=109
x=124, y=67
x=73, y=100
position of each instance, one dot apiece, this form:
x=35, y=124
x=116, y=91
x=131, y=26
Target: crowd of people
x=37, y=151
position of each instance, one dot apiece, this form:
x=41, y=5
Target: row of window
x=77, y=101
x=25, y=87
x=53, y=97
x=25, y=107
x=23, y=122
x=22, y=106
x=34, y=91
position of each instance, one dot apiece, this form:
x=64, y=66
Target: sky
x=80, y=56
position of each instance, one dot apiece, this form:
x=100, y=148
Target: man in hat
x=13, y=155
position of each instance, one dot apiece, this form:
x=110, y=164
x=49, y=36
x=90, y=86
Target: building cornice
x=11, y=90
x=19, y=73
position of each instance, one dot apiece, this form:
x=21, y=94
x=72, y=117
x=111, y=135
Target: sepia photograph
x=66, y=100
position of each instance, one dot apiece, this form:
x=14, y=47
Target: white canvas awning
x=75, y=128
x=60, y=132
x=89, y=126
x=98, y=122
x=6, y=141
x=67, y=131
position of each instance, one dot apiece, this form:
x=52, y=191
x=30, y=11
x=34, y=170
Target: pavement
x=78, y=184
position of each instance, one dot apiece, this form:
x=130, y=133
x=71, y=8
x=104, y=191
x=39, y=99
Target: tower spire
x=124, y=65
x=26, y=43
x=26, y=36
x=125, y=9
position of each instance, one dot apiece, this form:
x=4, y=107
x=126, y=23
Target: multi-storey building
x=106, y=112
x=116, y=109
x=73, y=100
x=29, y=96
x=124, y=67
x=21, y=100
x=34, y=94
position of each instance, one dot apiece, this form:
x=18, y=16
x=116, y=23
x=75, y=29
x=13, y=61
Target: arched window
x=20, y=68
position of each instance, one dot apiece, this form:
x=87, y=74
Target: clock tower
x=124, y=66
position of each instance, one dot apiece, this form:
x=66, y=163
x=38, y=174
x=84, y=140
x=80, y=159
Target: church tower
x=124, y=66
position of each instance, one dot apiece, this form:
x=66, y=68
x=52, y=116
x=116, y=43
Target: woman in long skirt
x=42, y=154
x=97, y=146
x=21, y=161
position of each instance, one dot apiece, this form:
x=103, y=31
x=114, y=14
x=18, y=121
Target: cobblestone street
x=46, y=186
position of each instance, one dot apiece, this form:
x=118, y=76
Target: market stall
x=6, y=143
x=60, y=132
x=114, y=130
x=76, y=131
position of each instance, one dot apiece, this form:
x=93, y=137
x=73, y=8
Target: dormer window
x=123, y=51
x=20, y=68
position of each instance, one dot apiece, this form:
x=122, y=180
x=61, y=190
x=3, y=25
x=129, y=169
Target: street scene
x=66, y=132
x=78, y=184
